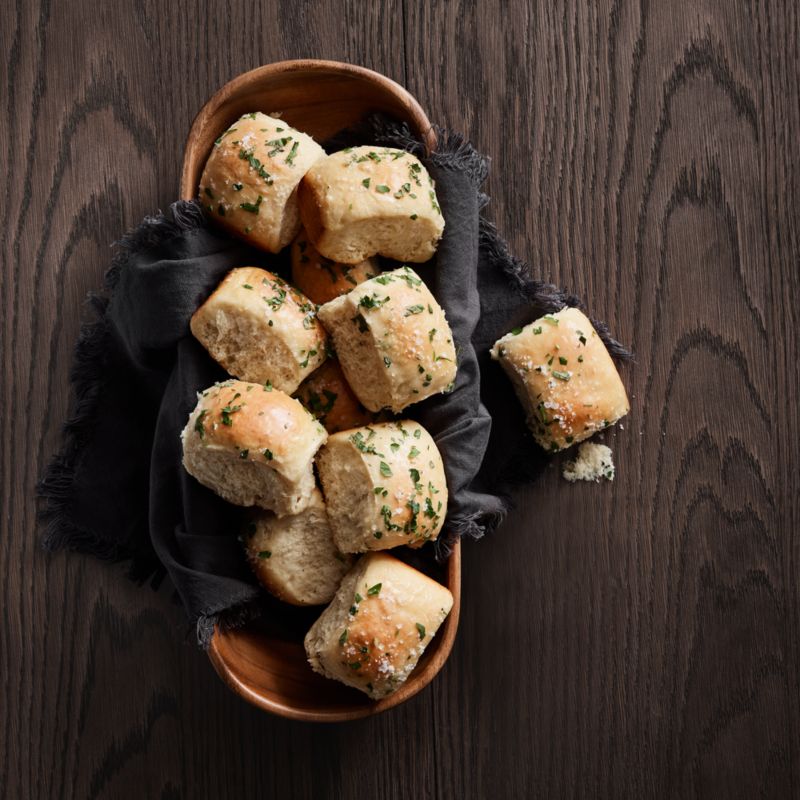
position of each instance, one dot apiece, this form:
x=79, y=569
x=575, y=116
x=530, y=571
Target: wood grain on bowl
x=320, y=98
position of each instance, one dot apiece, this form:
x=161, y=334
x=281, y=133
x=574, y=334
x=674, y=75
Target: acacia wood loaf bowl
x=268, y=666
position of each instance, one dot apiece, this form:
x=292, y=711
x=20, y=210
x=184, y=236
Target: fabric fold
x=117, y=488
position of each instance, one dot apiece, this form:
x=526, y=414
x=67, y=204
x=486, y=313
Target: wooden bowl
x=320, y=98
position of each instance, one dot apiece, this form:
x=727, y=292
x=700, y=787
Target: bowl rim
x=420, y=122
x=417, y=116
x=410, y=688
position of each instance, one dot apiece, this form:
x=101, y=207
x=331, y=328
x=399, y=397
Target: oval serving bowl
x=269, y=668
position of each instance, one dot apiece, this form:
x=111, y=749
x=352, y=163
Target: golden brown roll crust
x=565, y=378
x=366, y=201
x=321, y=279
x=249, y=184
x=328, y=396
x=261, y=329
x=384, y=486
x=253, y=445
x=380, y=622
x=392, y=340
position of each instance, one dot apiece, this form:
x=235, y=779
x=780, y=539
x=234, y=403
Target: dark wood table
x=633, y=639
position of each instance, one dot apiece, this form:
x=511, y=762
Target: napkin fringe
x=544, y=296
x=227, y=618
x=92, y=353
x=474, y=526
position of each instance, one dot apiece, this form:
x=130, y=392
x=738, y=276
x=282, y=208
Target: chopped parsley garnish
x=387, y=361
x=386, y=513
x=562, y=376
x=516, y=331
x=264, y=554
x=421, y=630
x=277, y=301
x=386, y=470
x=243, y=454
x=361, y=322
x=277, y=145
x=382, y=188
x=226, y=414
x=562, y=360
x=413, y=452
x=418, y=433
x=413, y=216
x=414, y=310
x=550, y=318
x=372, y=301
x=268, y=455
x=408, y=276
x=198, y=424
x=292, y=153
x=357, y=439
x=251, y=208
x=365, y=183
x=304, y=364
x=255, y=164
x=374, y=590
x=343, y=637
x=246, y=286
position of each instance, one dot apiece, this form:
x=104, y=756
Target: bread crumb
x=594, y=462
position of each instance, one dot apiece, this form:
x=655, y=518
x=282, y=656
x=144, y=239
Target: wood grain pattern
x=634, y=640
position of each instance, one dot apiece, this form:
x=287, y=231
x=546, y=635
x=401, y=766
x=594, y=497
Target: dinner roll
x=253, y=445
x=294, y=557
x=384, y=486
x=564, y=377
x=261, y=329
x=380, y=622
x=249, y=184
x=366, y=201
x=392, y=340
x=321, y=279
x=328, y=396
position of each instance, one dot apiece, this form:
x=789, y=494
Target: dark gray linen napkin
x=117, y=488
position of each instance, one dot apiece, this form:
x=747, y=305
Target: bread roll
x=253, y=445
x=366, y=201
x=261, y=329
x=564, y=377
x=380, y=622
x=384, y=486
x=328, y=396
x=249, y=184
x=392, y=340
x=321, y=279
x=294, y=557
